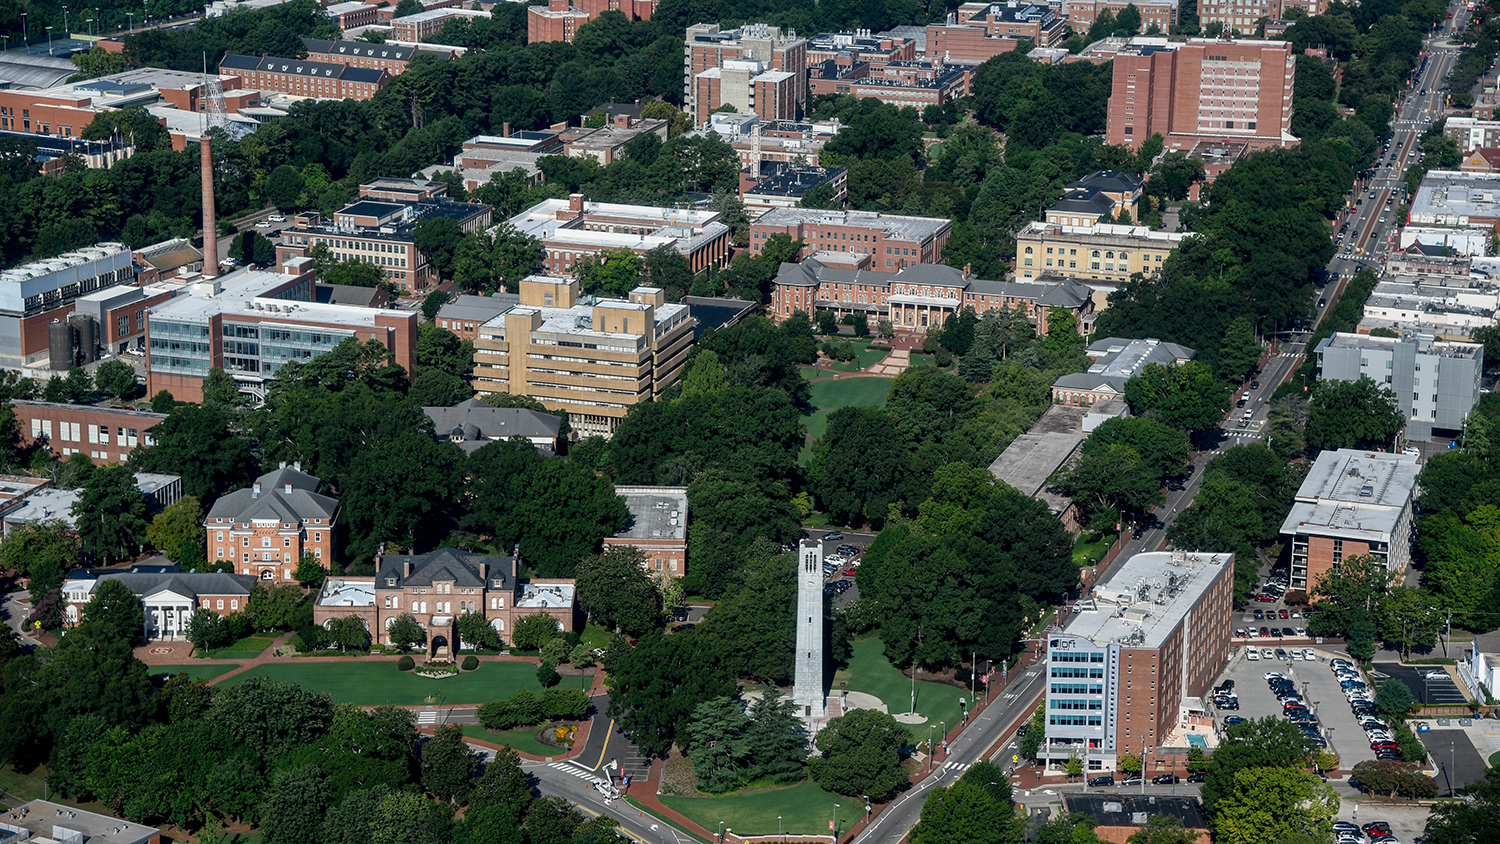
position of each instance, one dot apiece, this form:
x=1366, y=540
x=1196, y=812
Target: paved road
x=893, y=823
x=1453, y=754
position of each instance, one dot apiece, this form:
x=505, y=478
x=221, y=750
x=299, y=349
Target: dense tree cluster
x=733, y=744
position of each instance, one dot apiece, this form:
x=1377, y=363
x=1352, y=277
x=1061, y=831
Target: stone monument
x=807, y=689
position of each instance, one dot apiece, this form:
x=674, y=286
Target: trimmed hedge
x=526, y=708
x=471, y=662
x=405, y=663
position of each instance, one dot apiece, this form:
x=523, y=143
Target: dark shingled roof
x=448, y=565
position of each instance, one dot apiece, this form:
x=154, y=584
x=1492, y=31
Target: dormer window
x=390, y=581
x=497, y=583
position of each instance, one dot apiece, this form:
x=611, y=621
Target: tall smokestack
x=210, y=229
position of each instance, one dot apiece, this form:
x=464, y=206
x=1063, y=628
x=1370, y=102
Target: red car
x=1284, y=614
x=849, y=572
x=1263, y=597
x=1376, y=745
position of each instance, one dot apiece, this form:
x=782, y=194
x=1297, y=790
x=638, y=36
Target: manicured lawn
x=207, y=672
x=922, y=359
x=803, y=809
x=523, y=739
x=863, y=359
x=850, y=392
x=811, y=372
x=249, y=647
x=595, y=636
x=870, y=672
x=1089, y=550
x=376, y=682
x=32, y=786
x=1494, y=760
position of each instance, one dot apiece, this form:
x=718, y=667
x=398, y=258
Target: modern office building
x=758, y=69
x=873, y=240
x=305, y=77
x=251, y=322
x=657, y=527
x=861, y=45
x=595, y=358
x=1471, y=133
x=1104, y=253
x=922, y=296
x=1166, y=613
x=1202, y=89
x=914, y=84
x=34, y=296
x=1352, y=503
x=1435, y=382
x=1242, y=18
x=1115, y=361
x=570, y=229
x=778, y=185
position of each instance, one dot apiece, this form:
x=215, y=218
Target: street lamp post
x=65, y=20
x=7, y=42
x=1452, y=756
x=835, y=826
x=49, y=40
x=779, y=836
x=929, y=748
x=943, y=727
x=131, y=15
x=866, y=798
x=720, y=834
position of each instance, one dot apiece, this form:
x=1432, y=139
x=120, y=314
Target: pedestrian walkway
x=892, y=365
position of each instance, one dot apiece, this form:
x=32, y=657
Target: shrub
x=547, y=675
x=525, y=708
x=405, y=663
x=471, y=662
x=311, y=637
x=942, y=357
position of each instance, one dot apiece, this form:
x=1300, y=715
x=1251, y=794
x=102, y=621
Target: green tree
x=1408, y=618
x=448, y=765
x=1240, y=351
x=861, y=466
x=219, y=386
x=1258, y=744
x=717, y=744
x=612, y=273
x=284, y=188
x=1394, y=699
x=1275, y=804
x=657, y=683
x=177, y=531
x=111, y=513
x=162, y=402
x=196, y=442
x=1472, y=819
x=433, y=303
x=475, y=631
x=1352, y=414
x=534, y=631
x=965, y=811
x=1187, y=397
x=207, y=630
x=97, y=62
x=116, y=377
x=614, y=589
x=861, y=754
x=1067, y=828
x=438, y=238
x=251, y=247
x=294, y=805
x=115, y=609
x=405, y=632
x=41, y=551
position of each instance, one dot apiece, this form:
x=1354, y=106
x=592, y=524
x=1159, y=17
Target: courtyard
x=374, y=682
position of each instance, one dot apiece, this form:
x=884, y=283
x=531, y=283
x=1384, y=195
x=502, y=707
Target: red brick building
x=657, y=527
x=872, y=240
x=105, y=434
x=1204, y=89
x=754, y=49
x=439, y=587
x=1081, y=14
x=263, y=531
x=351, y=15
x=391, y=58
x=560, y=20
x=305, y=77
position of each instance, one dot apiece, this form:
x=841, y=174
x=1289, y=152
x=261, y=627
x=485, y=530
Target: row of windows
x=1075, y=720
x=1077, y=688
x=1076, y=656
x=1075, y=704
x=1069, y=671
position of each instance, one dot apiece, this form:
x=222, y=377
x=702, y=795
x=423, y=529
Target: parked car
x=1252, y=654
x=1133, y=779
x=1283, y=614
x=833, y=537
x=1198, y=777
x=1102, y=780
x=1165, y=779
x=1307, y=654
x=1280, y=654
x=1263, y=597
x=1260, y=615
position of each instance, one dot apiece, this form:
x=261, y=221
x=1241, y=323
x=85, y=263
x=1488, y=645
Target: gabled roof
x=1069, y=293
x=1110, y=180
x=478, y=423
x=359, y=49
x=190, y=584
x=448, y=565
x=938, y=274
x=274, y=501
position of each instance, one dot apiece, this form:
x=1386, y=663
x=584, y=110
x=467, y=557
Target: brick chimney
x=484, y=571
x=406, y=568
x=210, y=228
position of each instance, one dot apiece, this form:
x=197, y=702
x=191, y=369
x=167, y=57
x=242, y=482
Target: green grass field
x=863, y=359
x=1088, y=550
x=523, y=740
x=595, y=636
x=804, y=809
x=376, y=682
x=811, y=372
x=870, y=672
x=207, y=672
x=1494, y=760
x=249, y=647
x=850, y=392
x=32, y=786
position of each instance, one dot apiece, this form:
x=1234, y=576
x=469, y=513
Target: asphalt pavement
x=1455, y=758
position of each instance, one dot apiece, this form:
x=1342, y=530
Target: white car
x=1254, y=633
x=263, y=224
x=1294, y=655
x=276, y=218
x=1436, y=675
x=1307, y=654
x=1273, y=675
x=1252, y=655
x=1267, y=653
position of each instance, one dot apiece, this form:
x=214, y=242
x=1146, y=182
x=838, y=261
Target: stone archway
x=439, y=647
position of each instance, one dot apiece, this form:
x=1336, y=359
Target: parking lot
x=1319, y=687
x=1452, y=754
x=1436, y=690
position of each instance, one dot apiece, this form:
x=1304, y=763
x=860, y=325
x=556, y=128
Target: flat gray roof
x=1444, y=348
x=1145, y=598
x=55, y=821
x=1353, y=494
x=1030, y=459
x=656, y=512
x=243, y=292
x=893, y=225
x=1451, y=197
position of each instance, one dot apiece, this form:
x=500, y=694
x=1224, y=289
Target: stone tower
x=807, y=691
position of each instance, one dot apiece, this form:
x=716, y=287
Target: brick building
x=1099, y=195
x=118, y=313
x=846, y=48
x=1352, y=503
x=250, y=322
x=560, y=19
x=1242, y=18
x=1107, y=254
x=657, y=527
x=1165, y=613
x=1470, y=133
x=264, y=530
x=733, y=60
x=67, y=108
x=351, y=15
x=1081, y=14
x=1202, y=89
x=902, y=84
x=105, y=434
x=169, y=599
x=977, y=32
x=437, y=588
x=304, y=77
x=922, y=296
x=875, y=241
x=391, y=58
x=414, y=28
